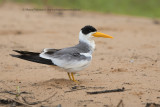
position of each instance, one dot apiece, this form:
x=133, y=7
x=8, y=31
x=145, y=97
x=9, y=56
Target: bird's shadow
x=59, y=83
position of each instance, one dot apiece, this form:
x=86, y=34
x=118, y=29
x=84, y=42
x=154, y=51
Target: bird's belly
x=72, y=66
x=77, y=68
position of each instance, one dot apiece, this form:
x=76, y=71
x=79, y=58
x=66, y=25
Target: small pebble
x=132, y=61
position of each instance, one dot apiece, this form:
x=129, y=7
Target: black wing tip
x=18, y=51
x=15, y=50
x=17, y=56
x=35, y=59
x=26, y=52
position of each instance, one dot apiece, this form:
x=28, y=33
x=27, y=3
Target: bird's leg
x=69, y=76
x=73, y=77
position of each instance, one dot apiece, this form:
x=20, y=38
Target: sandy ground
x=130, y=60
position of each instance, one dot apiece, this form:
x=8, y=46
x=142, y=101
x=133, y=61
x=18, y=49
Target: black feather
x=88, y=29
x=33, y=57
x=26, y=52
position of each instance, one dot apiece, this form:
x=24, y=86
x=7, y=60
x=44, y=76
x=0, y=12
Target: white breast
x=71, y=66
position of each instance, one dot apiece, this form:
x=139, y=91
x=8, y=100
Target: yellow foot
x=69, y=76
x=72, y=75
x=73, y=78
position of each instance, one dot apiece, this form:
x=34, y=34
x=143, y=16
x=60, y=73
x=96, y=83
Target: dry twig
x=107, y=91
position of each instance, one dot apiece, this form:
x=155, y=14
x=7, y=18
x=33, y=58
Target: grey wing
x=70, y=59
x=48, y=53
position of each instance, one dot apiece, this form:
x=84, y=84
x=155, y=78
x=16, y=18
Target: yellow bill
x=99, y=34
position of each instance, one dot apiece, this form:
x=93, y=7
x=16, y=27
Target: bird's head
x=88, y=32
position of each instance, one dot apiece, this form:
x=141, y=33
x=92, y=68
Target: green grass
x=0, y=1
x=148, y=8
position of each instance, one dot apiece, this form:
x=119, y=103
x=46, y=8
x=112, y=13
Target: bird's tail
x=32, y=56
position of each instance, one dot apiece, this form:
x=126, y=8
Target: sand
x=130, y=60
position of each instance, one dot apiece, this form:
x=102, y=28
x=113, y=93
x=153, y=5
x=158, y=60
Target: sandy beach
x=130, y=60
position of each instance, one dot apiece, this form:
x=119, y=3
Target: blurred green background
x=147, y=8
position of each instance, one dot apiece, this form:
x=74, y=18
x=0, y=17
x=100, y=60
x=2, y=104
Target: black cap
x=88, y=29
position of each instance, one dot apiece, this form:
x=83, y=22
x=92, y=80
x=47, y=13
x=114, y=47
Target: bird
x=71, y=59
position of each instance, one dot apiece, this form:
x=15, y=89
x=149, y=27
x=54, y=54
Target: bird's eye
x=90, y=30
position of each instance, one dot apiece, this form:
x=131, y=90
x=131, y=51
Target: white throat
x=87, y=39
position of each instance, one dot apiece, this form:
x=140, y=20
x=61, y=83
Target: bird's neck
x=87, y=40
x=89, y=45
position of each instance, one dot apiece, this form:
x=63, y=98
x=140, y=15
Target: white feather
x=71, y=66
x=46, y=49
x=86, y=54
x=87, y=39
x=45, y=56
